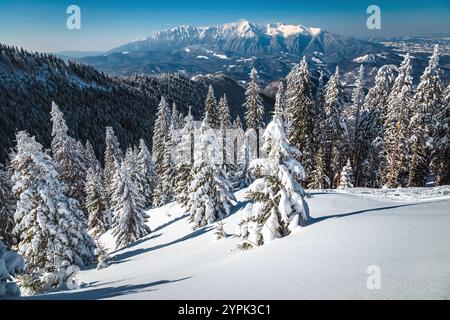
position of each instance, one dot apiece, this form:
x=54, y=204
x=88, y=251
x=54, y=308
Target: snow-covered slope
x=408, y=241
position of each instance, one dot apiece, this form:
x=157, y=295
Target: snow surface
x=351, y=230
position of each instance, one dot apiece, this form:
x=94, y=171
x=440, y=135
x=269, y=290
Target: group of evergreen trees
x=56, y=203
x=395, y=135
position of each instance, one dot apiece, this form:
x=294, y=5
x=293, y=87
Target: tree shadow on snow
x=343, y=215
x=105, y=293
x=165, y=225
x=129, y=254
x=151, y=236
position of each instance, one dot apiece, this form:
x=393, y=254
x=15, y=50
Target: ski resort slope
x=407, y=241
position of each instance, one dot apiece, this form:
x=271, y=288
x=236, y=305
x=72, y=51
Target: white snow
x=315, y=31
x=366, y=58
x=221, y=56
x=351, y=231
x=284, y=30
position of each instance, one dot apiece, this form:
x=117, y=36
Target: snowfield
x=351, y=231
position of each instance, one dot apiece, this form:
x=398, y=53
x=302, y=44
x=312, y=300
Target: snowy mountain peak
x=285, y=30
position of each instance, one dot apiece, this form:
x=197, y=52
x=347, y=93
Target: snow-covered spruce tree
x=69, y=156
x=113, y=156
x=129, y=217
x=280, y=102
x=278, y=198
x=175, y=117
x=353, y=127
x=210, y=191
x=160, y=136
x=238, y=138
x=50, y=227
x=225, y=125
x=244, y=177
x=211, y=109
x=185, y=160
x=300, y=110
x=11, y=264
x=318, y=178
x=346, y=176
x=429, y=98
x=254, y=114
x=371, y=128
x=7, y=209
x=396, y=126
x=224, y=112
x=167, y=181
x=90, y=157
x=135, y=173
x=335, y=130
x=441, y=145
x=147, y=170
x=99, y=214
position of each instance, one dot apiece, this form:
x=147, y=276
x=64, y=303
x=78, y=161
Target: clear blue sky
x=41, y=25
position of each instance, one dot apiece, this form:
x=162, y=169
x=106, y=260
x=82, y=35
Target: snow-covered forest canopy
x=57, y=203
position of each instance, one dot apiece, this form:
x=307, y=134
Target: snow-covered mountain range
x=232, y=48
x=240, y=37
x=235, y=48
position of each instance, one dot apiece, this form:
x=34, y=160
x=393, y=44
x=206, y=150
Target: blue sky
x=41, y=25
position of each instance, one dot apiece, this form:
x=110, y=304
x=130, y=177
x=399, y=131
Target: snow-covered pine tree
x=50, y=227
x=113, y=156
x=253, y=104
x=69, y=156
x=211, y=194
x=160, y=136
x=335, y=130
x=185, y=160
x=135, y=173
x=441, y=138
x=175, y=117
x=346, y=177
x=429, y=98
x=225, y=125
x=224, y=112
x=280, y=103
x=278, y=198
x=147, y=170
x=238, y=139
x=7, y=209
x=211, y=109
x=300, y=110
x=99, y=214
x=166, y=184
x=129, y=218
x=244, y=178
x=91, y=159
x=371, y=127
x=318, y=178
x=396, y=126
x=353, y=127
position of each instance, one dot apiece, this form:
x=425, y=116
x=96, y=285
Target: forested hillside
x=92, y=100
